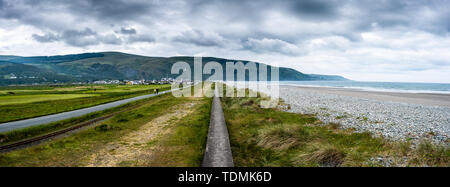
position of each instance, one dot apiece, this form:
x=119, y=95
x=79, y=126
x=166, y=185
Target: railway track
x=15, y=145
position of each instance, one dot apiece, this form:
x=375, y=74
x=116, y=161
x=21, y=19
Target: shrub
x=105, y=127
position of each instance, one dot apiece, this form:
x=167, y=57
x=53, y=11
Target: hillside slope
x=113, y=65
x=17, y=73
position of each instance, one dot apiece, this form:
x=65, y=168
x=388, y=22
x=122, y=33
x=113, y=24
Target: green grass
x=127, y=88
x=29, y=108
x=271, y=137
x=16, y=135
x=14, y=92
x=185, y=145
x=72, y=150
x=22, y=99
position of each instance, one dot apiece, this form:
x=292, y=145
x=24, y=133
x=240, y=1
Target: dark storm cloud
x=315, y=9
x=128, y=31
x=115, y=10
x=428, y=16
x=384, y=13
x=7, y=10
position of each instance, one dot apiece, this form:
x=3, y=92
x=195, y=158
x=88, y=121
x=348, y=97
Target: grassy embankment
x=272, y=137
x=180, y=141
x=18, y=103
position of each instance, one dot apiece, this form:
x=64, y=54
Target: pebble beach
x=395, y=116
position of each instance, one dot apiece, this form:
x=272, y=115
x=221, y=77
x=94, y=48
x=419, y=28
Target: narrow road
x=5, y=127
x=218, y=150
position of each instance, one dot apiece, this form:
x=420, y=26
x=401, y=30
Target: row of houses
x=136, y=82
x=13, y=76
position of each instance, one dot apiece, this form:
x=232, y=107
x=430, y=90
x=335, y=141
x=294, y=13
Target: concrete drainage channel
x=218, y=150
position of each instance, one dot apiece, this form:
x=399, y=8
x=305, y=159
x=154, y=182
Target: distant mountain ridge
x=51, y=59
x=112, y=66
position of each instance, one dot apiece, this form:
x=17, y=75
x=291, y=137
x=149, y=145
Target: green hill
x=110, y=65
x=17, y=73
x=51, y=59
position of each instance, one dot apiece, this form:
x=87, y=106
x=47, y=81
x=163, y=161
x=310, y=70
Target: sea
x=443, y=88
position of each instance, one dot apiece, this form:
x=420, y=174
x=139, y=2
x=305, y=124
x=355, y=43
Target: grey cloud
x=114, y=10
x=250, y=17
x=110, y=39
x=384, y=13
x=78, y=33
x=9, y=10
x=128, y=31
x=200, y=38
x=80, y=38
x=315, y=9
x=141, y=38
x=48, y=37
x=272, y=45
x=38, y=13
x=243, y=27
x=87, y=37
x=429, y=16
x=246, y=12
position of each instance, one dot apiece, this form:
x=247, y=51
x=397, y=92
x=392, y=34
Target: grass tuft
x=329, y=157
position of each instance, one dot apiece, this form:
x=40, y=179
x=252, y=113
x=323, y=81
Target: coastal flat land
x=171, y=131
x=23, y=102
x=160, y=131
x=435, y=99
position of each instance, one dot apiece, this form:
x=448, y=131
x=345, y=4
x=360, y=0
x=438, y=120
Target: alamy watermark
x=239, y=75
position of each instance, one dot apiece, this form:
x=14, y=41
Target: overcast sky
x=385, y=40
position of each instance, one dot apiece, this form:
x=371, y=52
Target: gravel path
x=134, y=147
x=392, y=120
